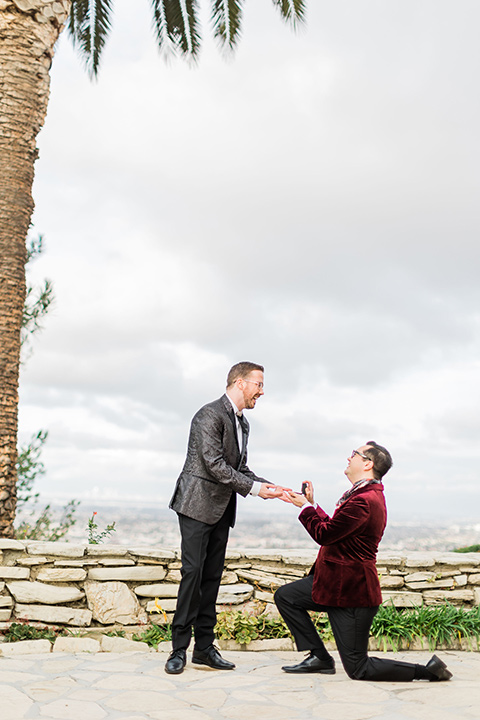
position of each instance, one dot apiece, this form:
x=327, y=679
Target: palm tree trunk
x=28, y=32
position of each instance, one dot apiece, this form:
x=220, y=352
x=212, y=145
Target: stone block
x=160, y=590
x=420, y=577
x=2, y=586
x=389, y=559
x=54, y=614
x=5, y=614
x=25, y=647
x=238, y=565
x=263, y=596
x=76, y=645
x=229, y=578
x=402, y=599
x=271, y=645
x=8, y=544
x=114, y=561
x=62, y=574
x=14, y=573
x=37, y=592
x=30, y=561
x=300, y=558
x=173, y=576
x=271, y=555
x=234, y=594
x=232, y=555
x=391, y=581
x=455, y=597
x=459, y=559
x=156, y=553
x=177, y=565
x=474, y=579
x=419, y=559
x=137, y=573
x=114, y=602
x=57, y=549
x=166, y=604
x=280, y=570
x=262, y=579
x=105, y=550
x=6, y=601
x=447, y=582
x=476, y=596
x=271, y=612
x=122, y=645
x=75, y=563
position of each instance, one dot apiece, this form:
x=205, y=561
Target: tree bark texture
x=28, y=32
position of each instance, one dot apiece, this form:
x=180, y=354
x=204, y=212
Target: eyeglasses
x=259, y=384
x=356, y=452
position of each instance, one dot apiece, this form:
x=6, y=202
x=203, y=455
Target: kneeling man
x=343, y=581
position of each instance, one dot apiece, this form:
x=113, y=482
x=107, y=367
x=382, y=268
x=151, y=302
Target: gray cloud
x=311, y=205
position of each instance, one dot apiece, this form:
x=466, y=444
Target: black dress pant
x=351, y=629
x=203, y=557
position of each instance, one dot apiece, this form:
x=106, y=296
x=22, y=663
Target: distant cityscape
x=157, y=526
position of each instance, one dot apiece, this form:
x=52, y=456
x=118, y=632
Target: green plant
x=34, y=526
x=239, y=626
x=116, y=633
x=154, y=635
x=438, y=624
x=96, y=537
x=24, y=631
x=467, y=549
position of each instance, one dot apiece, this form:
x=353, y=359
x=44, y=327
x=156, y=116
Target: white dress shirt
x=256, y=484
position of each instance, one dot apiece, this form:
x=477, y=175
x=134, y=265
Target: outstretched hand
x=268, y=491
x=299, y=499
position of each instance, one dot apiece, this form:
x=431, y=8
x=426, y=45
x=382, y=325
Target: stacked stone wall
x=101, y=587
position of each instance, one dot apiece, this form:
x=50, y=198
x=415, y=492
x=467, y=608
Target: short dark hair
x=241, y=370
x=381, y=458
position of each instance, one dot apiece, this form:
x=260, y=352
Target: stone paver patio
x=134, y=686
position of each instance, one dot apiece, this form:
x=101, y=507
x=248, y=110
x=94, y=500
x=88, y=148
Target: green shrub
x=469, y=548
x=154, y=635
x=24, y=631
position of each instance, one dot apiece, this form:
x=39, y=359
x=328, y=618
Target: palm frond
x=293, y=11
x=176, y=26
x=227, y=19
x=89, y=26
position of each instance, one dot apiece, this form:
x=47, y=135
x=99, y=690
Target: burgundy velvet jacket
x=345, y=573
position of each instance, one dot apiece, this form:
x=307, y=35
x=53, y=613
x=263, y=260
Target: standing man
x=344, y=581
x=205, y=497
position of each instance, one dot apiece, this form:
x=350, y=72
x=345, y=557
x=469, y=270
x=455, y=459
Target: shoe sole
x=444, y=672
x=327, y=671
x=202, y=662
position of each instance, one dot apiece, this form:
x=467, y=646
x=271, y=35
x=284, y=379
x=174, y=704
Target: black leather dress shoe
x=438, y=668
x=312, y=664
x=176, y=662
x=211, y=657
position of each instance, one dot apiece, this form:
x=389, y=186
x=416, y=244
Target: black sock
x=321, y=653
x=421, y=673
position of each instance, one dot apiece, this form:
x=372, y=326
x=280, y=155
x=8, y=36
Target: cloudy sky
x=310, y=204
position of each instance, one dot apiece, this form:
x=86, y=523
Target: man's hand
x=309, y=491
x=295, y=498
x=268, y=491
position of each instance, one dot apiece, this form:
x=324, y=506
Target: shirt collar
x=235, y=409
